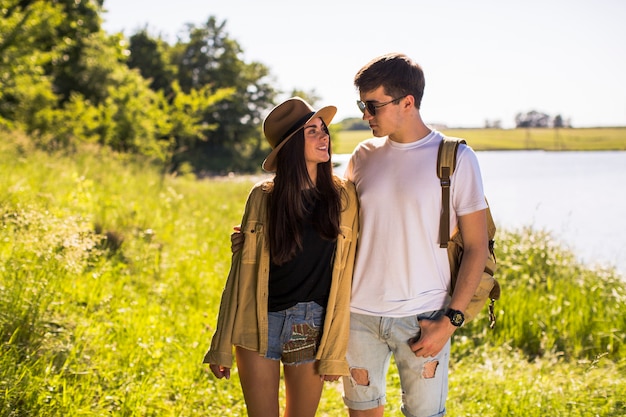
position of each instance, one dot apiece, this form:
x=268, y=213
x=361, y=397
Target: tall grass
x=111, y=276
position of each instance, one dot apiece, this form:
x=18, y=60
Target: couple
x=299, y=291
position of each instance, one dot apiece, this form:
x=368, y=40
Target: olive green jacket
x=242, y=319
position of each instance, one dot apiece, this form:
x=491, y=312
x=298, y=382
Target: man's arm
x=473, y=228
x=435, y=334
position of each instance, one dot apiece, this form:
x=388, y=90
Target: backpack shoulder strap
x=446, y=162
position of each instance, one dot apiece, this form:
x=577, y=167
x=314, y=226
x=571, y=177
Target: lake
x=579, y=197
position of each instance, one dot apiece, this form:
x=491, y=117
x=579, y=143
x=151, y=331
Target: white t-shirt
x=400, y=269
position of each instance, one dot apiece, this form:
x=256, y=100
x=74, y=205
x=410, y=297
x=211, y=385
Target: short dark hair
x=398, y=74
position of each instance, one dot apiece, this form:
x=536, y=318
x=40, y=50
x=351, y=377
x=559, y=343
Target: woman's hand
x=220, y=371
x=330, y=378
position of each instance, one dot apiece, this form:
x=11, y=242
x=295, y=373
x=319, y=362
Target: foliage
x=310, y=97
x=150, y=57
x=532, y=118
x=111, y=275
x=355, y=123
x=211, y=57
x=537, y=119
x=75, y=60
x=66, y=82
x=543, y=284
x=25, y=89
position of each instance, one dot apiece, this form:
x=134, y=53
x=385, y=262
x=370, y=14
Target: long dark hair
x=293, y=192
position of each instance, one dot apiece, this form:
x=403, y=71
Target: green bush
x=551, y=303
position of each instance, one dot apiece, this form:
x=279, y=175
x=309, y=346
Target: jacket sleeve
x=334, y=344
x=221, y=350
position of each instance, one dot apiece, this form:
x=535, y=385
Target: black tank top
x=306, y=277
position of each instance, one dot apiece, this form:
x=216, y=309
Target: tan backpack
x=488, y=288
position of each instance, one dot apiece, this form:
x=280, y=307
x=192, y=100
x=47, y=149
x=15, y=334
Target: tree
x=75, y=33
x=310, y=97
x=64, y=81
x=24, y=87
x=532, y=119
x=150, y=57
x=354, y=123
x=99, y=66
x=49, y=50
x=211, y=58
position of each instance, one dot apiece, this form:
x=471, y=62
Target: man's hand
x=330, y=378
x=220, y=371
x=433, y=337
x=236, y=239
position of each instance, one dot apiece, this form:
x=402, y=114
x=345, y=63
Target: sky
x=484, y=60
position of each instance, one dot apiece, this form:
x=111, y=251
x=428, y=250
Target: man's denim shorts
x=295, y=333
x=373, y=340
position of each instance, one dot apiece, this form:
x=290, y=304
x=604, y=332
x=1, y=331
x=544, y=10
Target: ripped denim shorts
x=295, y=333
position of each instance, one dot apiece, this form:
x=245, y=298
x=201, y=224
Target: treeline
x=191, y=105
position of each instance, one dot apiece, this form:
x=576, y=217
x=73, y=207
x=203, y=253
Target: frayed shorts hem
x=294, y=334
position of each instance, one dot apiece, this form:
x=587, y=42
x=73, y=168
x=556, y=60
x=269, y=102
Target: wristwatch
x=456, y=317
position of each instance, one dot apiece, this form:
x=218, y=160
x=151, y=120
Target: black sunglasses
x=371, y=106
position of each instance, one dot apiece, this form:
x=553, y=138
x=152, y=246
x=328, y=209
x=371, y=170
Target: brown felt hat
x=285, y=120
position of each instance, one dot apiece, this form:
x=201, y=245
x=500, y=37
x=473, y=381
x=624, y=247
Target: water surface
x=580, y=197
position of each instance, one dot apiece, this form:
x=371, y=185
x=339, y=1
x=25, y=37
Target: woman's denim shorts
x=295, y=333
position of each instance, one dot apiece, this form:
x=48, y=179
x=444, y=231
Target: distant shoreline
x=548, y=139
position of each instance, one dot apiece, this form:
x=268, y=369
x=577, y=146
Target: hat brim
x=325, y=113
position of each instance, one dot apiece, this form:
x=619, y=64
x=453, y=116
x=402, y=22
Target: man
x=400, y=302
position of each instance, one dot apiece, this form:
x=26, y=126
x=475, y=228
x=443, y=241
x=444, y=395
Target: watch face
x=456, y=317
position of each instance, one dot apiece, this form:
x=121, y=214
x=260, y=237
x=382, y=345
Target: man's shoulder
x=371, y=144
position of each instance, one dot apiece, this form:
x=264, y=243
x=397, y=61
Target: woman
x=288, y=291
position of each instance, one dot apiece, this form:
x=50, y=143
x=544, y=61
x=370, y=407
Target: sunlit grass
x=111, y=276
x=587, y=139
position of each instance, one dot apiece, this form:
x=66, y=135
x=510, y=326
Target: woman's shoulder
x=348, y=188
x=345, y=184
x=262, y=187
x=259, y=193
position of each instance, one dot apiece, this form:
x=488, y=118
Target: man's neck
x=413, y=132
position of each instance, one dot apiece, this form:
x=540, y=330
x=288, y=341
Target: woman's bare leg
x=303, y=389
x=260, y=378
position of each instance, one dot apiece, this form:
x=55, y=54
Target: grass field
x=111, y=276
x=515, y=139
